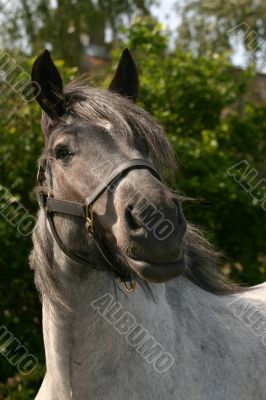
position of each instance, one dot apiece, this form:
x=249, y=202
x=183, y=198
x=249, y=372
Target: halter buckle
x=130, y=286
x=89, y=218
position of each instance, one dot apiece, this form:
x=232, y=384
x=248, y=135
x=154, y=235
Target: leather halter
x=85, y=211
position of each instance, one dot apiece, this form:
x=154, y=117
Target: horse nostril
x=132, y=222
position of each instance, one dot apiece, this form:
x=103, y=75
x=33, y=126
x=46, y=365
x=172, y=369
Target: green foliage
x=22, y=387
x=21, y=143
x=188, y=95
x=209, y=26
x=64, y=25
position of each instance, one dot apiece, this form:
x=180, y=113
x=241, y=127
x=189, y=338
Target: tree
x=187, y=94
x=34, y=24
x=216, y=25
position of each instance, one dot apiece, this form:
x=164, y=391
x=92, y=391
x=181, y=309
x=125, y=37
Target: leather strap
x=117, y=173
x=81, y=260
x=65, y=207
x=70, y=253
x=78, y=209
x=81, y=210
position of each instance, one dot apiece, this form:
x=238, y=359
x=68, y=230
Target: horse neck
x=86, y=343
x=95, y=305
x=83, y=332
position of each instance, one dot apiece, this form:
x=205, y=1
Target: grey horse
x=134, y=304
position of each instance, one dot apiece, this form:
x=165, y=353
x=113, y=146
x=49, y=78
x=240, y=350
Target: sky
x=166, y=13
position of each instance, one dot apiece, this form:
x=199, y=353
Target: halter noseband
x=85, y=211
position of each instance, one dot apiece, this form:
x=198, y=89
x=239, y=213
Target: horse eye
x=62, y=153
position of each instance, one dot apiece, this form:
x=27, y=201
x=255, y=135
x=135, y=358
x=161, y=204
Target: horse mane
x=98, y=105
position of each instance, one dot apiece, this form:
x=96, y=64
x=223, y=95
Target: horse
x=133, y=299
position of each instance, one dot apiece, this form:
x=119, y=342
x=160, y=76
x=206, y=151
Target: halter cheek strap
x=85, y=211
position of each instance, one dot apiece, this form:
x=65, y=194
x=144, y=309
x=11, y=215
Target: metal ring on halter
x=130, y=286
x=89, y=218
x=85, y=210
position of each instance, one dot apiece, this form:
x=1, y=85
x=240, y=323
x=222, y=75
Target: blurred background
x=202, y=66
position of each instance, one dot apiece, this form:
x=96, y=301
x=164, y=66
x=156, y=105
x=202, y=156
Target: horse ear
x=126, y=79
x=48, y=86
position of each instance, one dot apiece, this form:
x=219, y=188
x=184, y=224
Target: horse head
x=138, y=221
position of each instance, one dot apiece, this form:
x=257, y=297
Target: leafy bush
x=188, y=96
x=21, y=142
x=22, y=387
